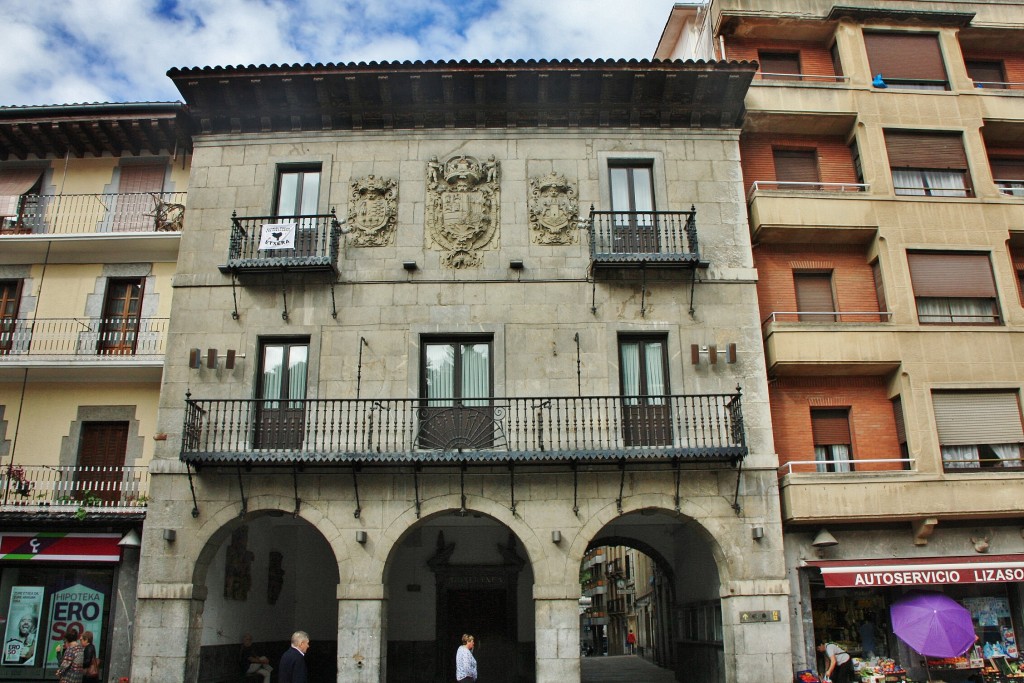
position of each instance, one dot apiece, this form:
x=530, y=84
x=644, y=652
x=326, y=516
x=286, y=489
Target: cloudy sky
x=65, y=51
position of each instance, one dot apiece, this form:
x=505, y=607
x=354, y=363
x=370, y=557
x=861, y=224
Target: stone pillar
x=362, y=651
x=557, y=620
x=759, y=651
x=123, y=617
x=168, y=621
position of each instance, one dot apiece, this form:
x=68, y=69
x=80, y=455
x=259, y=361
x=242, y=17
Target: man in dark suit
x=292, y=668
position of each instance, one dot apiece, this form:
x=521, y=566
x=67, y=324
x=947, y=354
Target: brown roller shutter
x=897, y=413
x=830, y=427
x=971, y=418
x=796, y=166
x=779, y=63
x=905, y=56
x=954, y=276
x=988, y=74
x=925, y=150
x=814, y=294
x=1007, y=169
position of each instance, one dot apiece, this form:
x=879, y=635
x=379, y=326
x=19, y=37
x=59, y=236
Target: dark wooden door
x=281, y=410
x=101, y=452
x=458, y=410
x=10, y=298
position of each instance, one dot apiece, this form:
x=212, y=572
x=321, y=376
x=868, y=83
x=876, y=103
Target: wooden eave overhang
x=465, y=94
x=93, y=130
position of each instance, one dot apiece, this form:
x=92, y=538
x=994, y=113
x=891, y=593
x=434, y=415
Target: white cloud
x=112, y=50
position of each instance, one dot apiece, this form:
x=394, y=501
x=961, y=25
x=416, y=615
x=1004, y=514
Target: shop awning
x=14, y=183
x=920, y=571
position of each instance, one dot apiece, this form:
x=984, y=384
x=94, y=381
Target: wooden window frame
x=130, y=325
x=10, y=298
x=284, y=170
x=947, y=275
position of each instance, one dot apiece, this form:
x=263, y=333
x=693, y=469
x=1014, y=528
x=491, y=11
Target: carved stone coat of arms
x=373, y=211
x=554, y=210
x=463, y=198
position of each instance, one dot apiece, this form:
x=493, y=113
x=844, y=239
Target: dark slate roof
x=465, y=94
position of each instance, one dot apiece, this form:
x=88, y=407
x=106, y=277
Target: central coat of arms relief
x=554, y=210
x=463, y=198
x=373, y=211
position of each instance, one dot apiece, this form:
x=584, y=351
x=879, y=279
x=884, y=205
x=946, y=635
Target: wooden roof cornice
x=465, y=94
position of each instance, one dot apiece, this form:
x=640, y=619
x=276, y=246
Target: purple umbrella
x=932, y=624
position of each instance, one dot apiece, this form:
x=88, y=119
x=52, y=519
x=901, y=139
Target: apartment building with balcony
x=882, y=154
x=439, y=331
x=92, y=203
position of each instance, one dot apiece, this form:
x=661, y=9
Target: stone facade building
x=438, y=330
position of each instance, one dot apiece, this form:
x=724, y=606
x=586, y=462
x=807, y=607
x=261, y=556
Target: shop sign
x=22, y=632
x=80, y=607
x=931, y=571
x=50, y=546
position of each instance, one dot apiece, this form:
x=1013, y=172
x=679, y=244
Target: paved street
x=623, y=669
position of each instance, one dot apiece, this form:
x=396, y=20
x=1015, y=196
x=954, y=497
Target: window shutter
x=897, y=413
x=1007, y=169
x=970, y=418
x=814, y=294
x=952, y=276
x=796, y=166
x=988, y=73
x=925, y=150
x=779, y=62
x=910, y=56
x=876, y=273
x=103, y=444
x=830, y=427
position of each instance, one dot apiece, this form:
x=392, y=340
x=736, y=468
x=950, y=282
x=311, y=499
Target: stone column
x=759, y=650
x=123, y=617
x=362, y=614
x=167, y=624
x=557, y=620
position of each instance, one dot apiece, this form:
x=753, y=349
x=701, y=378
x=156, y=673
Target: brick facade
x=835, y=162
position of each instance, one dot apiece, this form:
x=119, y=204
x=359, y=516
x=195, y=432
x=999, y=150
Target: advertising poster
x=22, y=632
x=80, y=607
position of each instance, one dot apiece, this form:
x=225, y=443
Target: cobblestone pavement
x=623, y=669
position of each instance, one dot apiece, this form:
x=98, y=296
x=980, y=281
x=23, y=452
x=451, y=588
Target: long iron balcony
x=60, y=214
x=74, y=489
x=691, y=428
x=283, y=243
x=644, y=238
x=81, y=338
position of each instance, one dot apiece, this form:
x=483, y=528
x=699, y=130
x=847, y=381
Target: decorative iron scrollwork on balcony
x=462, y=427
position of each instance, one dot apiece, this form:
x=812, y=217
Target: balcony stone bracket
x=923, y=529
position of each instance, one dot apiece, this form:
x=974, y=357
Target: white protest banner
x=277, y=236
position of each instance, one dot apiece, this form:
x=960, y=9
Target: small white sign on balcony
x=277, y=236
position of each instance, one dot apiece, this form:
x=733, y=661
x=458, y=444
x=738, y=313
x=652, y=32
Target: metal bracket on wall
x=284, y=298
x=355, y=488
x=675, y=465
x=234, y=297
x=334, y=306
x=416, y=487
x=295, y=486
x=736, y=497
x=643, y=291
x=462, y=489
x=575, y=488
x=622, y=485
x=191, y=486
x=241, y=491
x=512, y=486
x=693, y=286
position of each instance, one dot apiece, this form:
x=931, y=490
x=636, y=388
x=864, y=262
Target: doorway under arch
x=452, y=574
x=268, y=574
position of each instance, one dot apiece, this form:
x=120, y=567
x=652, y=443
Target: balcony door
x=643, y=370
x=281, y=408
x=101, y=452
x=632, y=192
x=138, y=191
x=122, y=310
x=10, y=298
x=298, y=194
x=456, y=385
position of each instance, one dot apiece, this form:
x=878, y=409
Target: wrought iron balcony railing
x=698, y=428
x=74, y=488
x=276, y=243
x=82, y=338
x=60, y=214
x=644, y=237
x=800, y=186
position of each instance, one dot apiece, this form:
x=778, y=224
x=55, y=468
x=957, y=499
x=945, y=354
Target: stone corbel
x=923, y=529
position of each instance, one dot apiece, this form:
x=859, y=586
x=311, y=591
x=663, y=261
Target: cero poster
x=78, y=606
